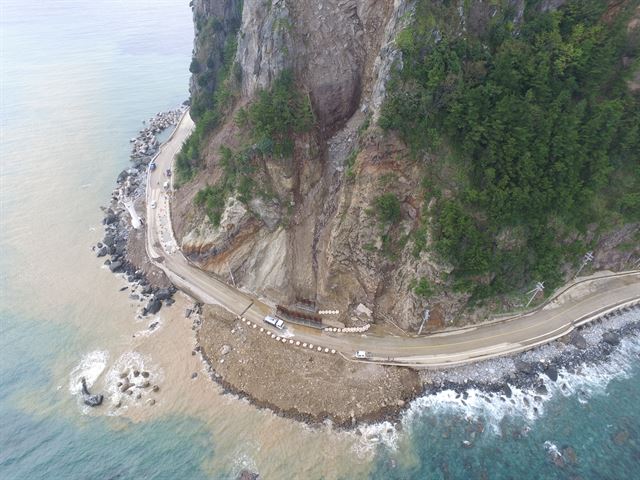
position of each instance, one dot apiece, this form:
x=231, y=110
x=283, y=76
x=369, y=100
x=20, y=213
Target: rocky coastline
x=532, y=370
x=529, y=371
x=391, y=414
x=147, y=284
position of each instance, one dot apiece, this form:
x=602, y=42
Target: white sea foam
x=146, y=332
x=491, y=408
x=588, y=380
x=128, y=362
x=592, y=379
x=371, y=436
x=90, y=367
x=242, y=461
x=552, y=449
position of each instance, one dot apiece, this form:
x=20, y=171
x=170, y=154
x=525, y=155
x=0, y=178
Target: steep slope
x=342, y=219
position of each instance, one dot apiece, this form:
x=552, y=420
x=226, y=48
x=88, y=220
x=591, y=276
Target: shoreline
x=340, y=418
x=532, y=373
x=125, y=245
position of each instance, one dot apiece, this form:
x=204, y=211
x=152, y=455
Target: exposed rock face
x=265, y=43
x=334, y=50
x=316, y=238
x=215, y=21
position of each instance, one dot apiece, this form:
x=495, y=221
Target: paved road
x=453, y=347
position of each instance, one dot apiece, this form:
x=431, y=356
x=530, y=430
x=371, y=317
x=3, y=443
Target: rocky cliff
x=318, y=235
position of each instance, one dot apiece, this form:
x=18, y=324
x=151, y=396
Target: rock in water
x=163, y=294
x=523, y=367
x=115, y=266
x=578, y=341
x=89, y=399
x=154, y=306
x=552, y=373
x=248, y=475
x=507, y=390
x=541, y=389
x=570, y=455
x=611, y=338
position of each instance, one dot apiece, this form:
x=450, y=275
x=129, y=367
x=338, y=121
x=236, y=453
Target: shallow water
x=77, y=80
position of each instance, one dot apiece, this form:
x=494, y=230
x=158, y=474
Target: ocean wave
x=593, y=378
x=583, y=382
x=371, y=436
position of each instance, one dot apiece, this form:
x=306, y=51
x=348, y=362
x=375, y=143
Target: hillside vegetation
x=536, y=122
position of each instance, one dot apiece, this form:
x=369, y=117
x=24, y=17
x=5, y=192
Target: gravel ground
x=307, y=385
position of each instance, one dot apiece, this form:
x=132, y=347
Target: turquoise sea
x=77, y=80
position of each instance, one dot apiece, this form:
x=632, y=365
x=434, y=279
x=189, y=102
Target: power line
x=539, y=288
x=425, y=317
x=588, y=257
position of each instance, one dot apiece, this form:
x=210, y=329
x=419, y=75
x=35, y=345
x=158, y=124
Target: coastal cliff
x=304, y=185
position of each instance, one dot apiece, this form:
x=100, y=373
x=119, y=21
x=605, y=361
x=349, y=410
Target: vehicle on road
x=152, y=166
x=153, y=204
x=168, y=172
x=361, y=354
x=165, y=185
x=276, y=322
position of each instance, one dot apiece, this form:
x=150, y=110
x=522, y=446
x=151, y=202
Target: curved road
x=599, y=295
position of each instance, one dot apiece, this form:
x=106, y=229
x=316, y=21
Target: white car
x=361, y=354
x=153, y=204
x=276, y=322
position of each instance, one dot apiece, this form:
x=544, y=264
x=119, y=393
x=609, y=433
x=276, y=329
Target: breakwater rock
x=146, y=144
x=88, y=398
x=130, y=191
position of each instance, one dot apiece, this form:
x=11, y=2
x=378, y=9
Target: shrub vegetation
x=272, y=119
x=276, y=115
x=540, y=119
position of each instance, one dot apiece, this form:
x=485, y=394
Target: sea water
x=78, y=77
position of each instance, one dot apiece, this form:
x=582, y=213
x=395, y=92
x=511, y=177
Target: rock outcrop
x=316, y=236
x=88, y=398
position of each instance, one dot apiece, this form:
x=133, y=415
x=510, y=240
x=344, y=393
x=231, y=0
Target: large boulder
x=109, y=240
x=153, y=306
x=115, y=266
x=163, y=294
x=552, y=373
x=507, y=390
x=523, y=367
x=578, y=341
x=110, y=218
x=88, y=398
x=611, y=338
x=248, y=475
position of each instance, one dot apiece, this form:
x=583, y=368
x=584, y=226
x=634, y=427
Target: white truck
x=361, y=354
x=276, y=322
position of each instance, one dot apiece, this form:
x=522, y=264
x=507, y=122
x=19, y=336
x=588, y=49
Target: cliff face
x=216, y=23
x=317, y=237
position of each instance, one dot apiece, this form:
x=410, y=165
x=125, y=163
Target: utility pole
x=231, y=274
x=425, y=317
x=539, y=288
x=588, y=257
